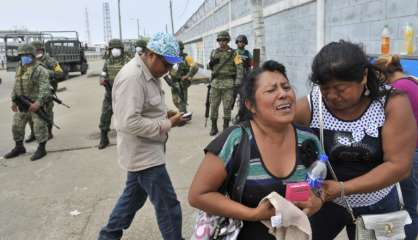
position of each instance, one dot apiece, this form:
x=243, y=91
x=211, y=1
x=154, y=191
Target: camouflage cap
x=37, y=45
x=26, y=49
x=141, y=43
x=166, y=45
x=115, y=43
x=223, y=35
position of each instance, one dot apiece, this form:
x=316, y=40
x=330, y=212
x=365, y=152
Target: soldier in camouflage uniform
x=55, y=71
x=241, y=41
x=227, y=73
x=32, y=81
x=181, y=76
x=113, y=64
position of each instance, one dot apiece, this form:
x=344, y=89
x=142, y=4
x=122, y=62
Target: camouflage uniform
x=224, y=81
x=244, y=53
x=32, y=81
x=185, y=69
x=54, y=71
x=110, y=70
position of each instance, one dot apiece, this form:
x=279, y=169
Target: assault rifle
x=56, y=99
x=23, y=103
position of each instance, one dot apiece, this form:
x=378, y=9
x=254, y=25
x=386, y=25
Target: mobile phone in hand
x=187, y=116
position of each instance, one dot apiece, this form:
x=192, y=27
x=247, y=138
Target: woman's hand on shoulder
x=311, y=206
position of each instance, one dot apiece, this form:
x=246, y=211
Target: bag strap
x=244, y=157
x=216, y=71
x=334, y=176
x=239, y=166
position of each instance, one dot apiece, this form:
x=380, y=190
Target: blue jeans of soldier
x=155, y=183
x=409, y=188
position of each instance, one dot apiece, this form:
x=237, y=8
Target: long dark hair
x=346, y=61
x=247, y=91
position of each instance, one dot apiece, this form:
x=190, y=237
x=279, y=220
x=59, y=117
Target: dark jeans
x=155, y=183
x=328, y=222
x=410, y=196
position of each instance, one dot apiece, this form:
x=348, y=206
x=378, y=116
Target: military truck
x=68, y=51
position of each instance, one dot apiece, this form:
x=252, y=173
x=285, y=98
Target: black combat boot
x=104, y=140
x=39, y=153
x=214, y=129
x=226, y=124
x=16, y=151
x=31, y=138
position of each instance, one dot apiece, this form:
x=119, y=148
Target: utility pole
x=120, y=23
x=258, y=27
x=171, y=16
x=88, y=27
x=137, y=26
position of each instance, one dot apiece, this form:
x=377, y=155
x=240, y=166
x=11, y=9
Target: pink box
x=298, y=192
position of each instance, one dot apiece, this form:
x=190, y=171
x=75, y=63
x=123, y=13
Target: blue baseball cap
x=165, y=45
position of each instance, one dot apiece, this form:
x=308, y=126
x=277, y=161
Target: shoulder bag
x=212, y=227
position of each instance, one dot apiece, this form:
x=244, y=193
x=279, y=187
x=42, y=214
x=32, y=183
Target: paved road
x=36, y=198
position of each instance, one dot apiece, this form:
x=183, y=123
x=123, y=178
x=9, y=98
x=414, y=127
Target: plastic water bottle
x=385, y=42
x=317, y=172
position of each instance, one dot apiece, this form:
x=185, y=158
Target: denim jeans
x=410, y=196
x=155, y=183
x=328, y=222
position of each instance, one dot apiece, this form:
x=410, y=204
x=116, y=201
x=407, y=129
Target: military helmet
x=223, y=35
x=26, y=49
x=141, y=43
x=115, y=43
x=38, y=45
x=181, y=45
x=241, y=38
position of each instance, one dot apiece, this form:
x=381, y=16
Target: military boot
x=104, y=140
x=214, y=129
x=226, y=124
x=31, y=138
x=16, y=151
x=39, y=153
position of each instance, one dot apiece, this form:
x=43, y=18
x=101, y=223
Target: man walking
x=142, y=130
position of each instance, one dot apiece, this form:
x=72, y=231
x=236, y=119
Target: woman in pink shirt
x=391, y=65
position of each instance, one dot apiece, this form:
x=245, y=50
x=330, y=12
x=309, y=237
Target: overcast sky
x=44, y=15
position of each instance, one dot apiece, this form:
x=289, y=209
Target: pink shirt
x=410, y=87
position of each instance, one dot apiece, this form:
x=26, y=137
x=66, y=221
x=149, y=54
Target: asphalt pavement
x=70, y=193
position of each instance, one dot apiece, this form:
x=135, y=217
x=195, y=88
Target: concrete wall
x=290, y=28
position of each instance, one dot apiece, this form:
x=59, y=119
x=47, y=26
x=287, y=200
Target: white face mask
x=116, y=52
